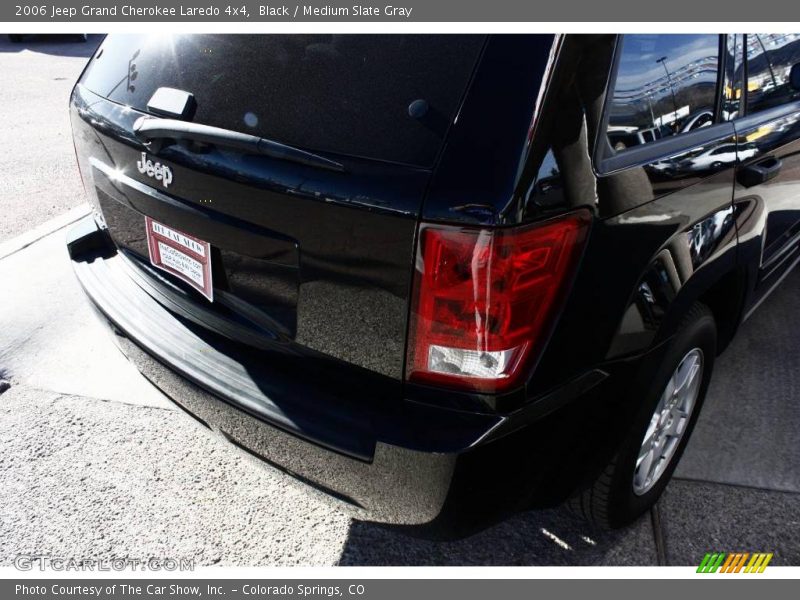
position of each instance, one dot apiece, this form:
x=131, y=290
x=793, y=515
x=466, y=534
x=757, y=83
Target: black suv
x=441, y=278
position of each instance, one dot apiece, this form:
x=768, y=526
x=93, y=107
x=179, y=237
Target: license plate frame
x=182, y=255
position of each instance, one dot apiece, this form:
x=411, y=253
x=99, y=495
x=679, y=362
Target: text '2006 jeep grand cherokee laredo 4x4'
x=441, y=278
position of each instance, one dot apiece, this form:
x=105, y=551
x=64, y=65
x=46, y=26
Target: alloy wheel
x=668, y=422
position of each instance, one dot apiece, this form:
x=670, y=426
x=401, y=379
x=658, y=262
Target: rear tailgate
x=306, y=259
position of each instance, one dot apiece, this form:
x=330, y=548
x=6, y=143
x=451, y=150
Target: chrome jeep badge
x=160, y=172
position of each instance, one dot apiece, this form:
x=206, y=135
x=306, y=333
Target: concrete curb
x=24, y=240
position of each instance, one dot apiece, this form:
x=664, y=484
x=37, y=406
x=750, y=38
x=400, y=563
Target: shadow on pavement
x=59, y=44
x=748, y=430
x=548, y=537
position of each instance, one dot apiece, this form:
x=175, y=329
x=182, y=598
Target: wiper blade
x=148, y=129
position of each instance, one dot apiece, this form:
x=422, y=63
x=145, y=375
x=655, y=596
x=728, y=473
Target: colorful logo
x=734, y=562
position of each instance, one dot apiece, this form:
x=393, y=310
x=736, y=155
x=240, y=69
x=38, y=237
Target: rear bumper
x=393, y=461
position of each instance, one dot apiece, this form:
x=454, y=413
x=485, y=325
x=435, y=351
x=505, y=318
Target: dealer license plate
x=184, y=256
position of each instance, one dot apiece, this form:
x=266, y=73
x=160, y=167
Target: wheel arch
x=722, y=288
x=667, y=291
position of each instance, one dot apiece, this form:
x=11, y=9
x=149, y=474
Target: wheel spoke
x=646, y=449
x=658, y=446
x=680, y=380
x=679, y=410
x=685, y=373
x=648, y=437
x=669, y=391
x=643, y=472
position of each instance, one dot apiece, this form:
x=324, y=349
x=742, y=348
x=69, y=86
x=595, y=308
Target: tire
x=14, y=38
x=621, y=493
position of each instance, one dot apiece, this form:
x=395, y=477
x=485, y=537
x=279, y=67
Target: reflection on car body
x=469, y=316
x=714, y=158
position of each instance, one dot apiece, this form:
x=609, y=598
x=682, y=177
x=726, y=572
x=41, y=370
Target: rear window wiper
x=148, y=129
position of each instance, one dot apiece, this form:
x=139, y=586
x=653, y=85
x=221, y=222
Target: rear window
x=346, y=94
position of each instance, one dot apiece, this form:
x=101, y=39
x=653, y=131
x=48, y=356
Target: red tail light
x=485, y=299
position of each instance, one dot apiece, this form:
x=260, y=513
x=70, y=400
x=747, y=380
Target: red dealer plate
x=183, y=255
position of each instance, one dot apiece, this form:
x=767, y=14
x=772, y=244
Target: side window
x=665, y=85
x=770, y=58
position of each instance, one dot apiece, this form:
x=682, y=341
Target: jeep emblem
x=161, y=172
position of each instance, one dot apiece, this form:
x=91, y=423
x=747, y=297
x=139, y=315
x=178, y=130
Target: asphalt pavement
x=39, y=180
x=96, y=463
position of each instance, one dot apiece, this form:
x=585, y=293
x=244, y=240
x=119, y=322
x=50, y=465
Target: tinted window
x=347, y=94
x=665, y=85
x=769, y=60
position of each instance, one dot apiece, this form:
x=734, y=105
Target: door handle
x=760, y=172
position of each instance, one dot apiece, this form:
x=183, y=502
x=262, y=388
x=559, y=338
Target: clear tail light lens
x=485, y=299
